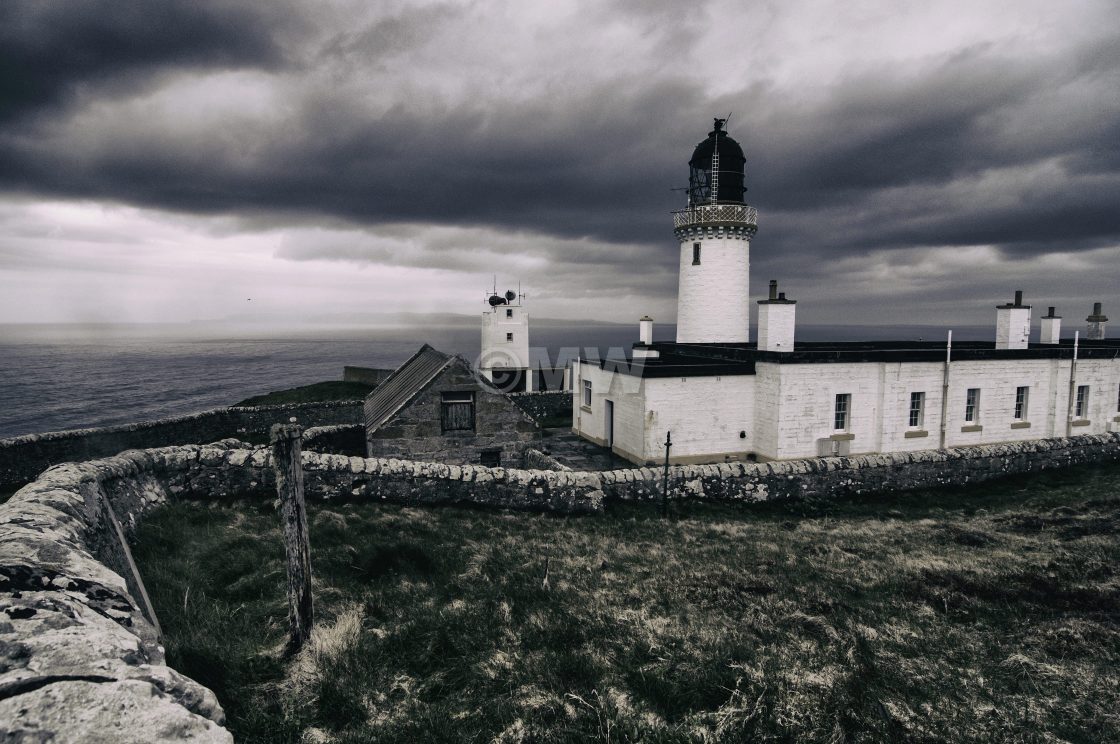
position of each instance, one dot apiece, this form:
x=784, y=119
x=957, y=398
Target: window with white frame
x=1022, y=400
x=917, y=409
x=971, y=404
x=1081, y=404
x=841, y=410
x=587, y=393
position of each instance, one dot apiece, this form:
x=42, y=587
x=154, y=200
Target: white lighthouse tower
x=504, y=360
x=715, y=231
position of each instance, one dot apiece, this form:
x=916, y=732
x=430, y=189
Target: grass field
x=319, y=392
x=981, y=615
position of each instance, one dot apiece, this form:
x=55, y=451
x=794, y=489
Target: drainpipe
x=1072, y=385
x=945, y=389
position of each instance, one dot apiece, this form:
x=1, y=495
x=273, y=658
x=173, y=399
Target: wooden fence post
x=285, y=440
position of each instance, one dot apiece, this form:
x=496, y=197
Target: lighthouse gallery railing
x=738, y=214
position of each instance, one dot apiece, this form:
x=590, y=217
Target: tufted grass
x=986, y=614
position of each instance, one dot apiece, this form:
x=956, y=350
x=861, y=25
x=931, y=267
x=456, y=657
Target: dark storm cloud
x=52, y=51
x=974, y=148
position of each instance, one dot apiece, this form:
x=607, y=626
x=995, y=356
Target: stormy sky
x=911, y=162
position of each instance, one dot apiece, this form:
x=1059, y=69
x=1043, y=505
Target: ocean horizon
x=57, y=376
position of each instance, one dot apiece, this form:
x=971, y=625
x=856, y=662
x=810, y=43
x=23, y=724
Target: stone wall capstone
x=24, y=457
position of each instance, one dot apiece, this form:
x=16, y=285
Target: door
x=609, y=414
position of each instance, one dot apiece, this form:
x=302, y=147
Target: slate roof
x=401, y=386
x=707, y=360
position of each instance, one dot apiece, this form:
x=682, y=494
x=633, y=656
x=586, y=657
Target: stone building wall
x=416, y=433
x=544, y=405
x=22, y=458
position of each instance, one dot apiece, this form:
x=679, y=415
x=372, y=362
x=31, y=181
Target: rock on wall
x=537, y=460
x=344, y=439
x=23, y=458
x=82, y=660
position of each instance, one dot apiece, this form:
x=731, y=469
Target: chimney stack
x=1096, y=323
x=1013, y=324
x=645, y=338
x=776, y=321
x=1050, y=328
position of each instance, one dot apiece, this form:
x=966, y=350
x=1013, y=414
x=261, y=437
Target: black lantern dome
x=716, y=170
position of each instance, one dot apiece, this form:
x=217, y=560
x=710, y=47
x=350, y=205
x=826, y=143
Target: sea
x=71, y=376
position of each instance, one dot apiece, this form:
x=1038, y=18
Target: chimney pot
x=773, y=289
x=781, y=295
x=1096, y=308
x=1051, y=311
x=1018, y=297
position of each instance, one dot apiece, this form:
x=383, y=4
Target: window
x=509, y=337
x=695, y=254
x=1081, y=406
x=509, y=312
x=457, y=411
x=917, y=409
x=587, y=393
x=840, y=416
x=971, y=404
x=490, y=458
x=1022, y=395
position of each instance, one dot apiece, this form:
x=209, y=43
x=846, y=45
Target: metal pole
x=286, y=445
x=1072, y=385
x=945, y=389
x=665, y=475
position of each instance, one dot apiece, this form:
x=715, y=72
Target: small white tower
x=1013, y=324
x=1096, y=323
x=642, y=349
x=715, y=231
x=777, y=318
x=1050, y=328
x=505, y=360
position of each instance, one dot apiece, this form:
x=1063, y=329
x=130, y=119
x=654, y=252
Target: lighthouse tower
x=715, y=232
x=504, y=360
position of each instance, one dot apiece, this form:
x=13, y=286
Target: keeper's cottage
x=723, y=397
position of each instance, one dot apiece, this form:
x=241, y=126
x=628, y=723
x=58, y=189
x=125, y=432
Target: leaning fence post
x=285, y=439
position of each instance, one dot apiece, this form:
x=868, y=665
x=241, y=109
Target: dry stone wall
x=80, y=653
x=829, y=477
x=23, y=458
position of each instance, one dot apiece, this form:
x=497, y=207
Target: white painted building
x=724, y=398
x=504, y=359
